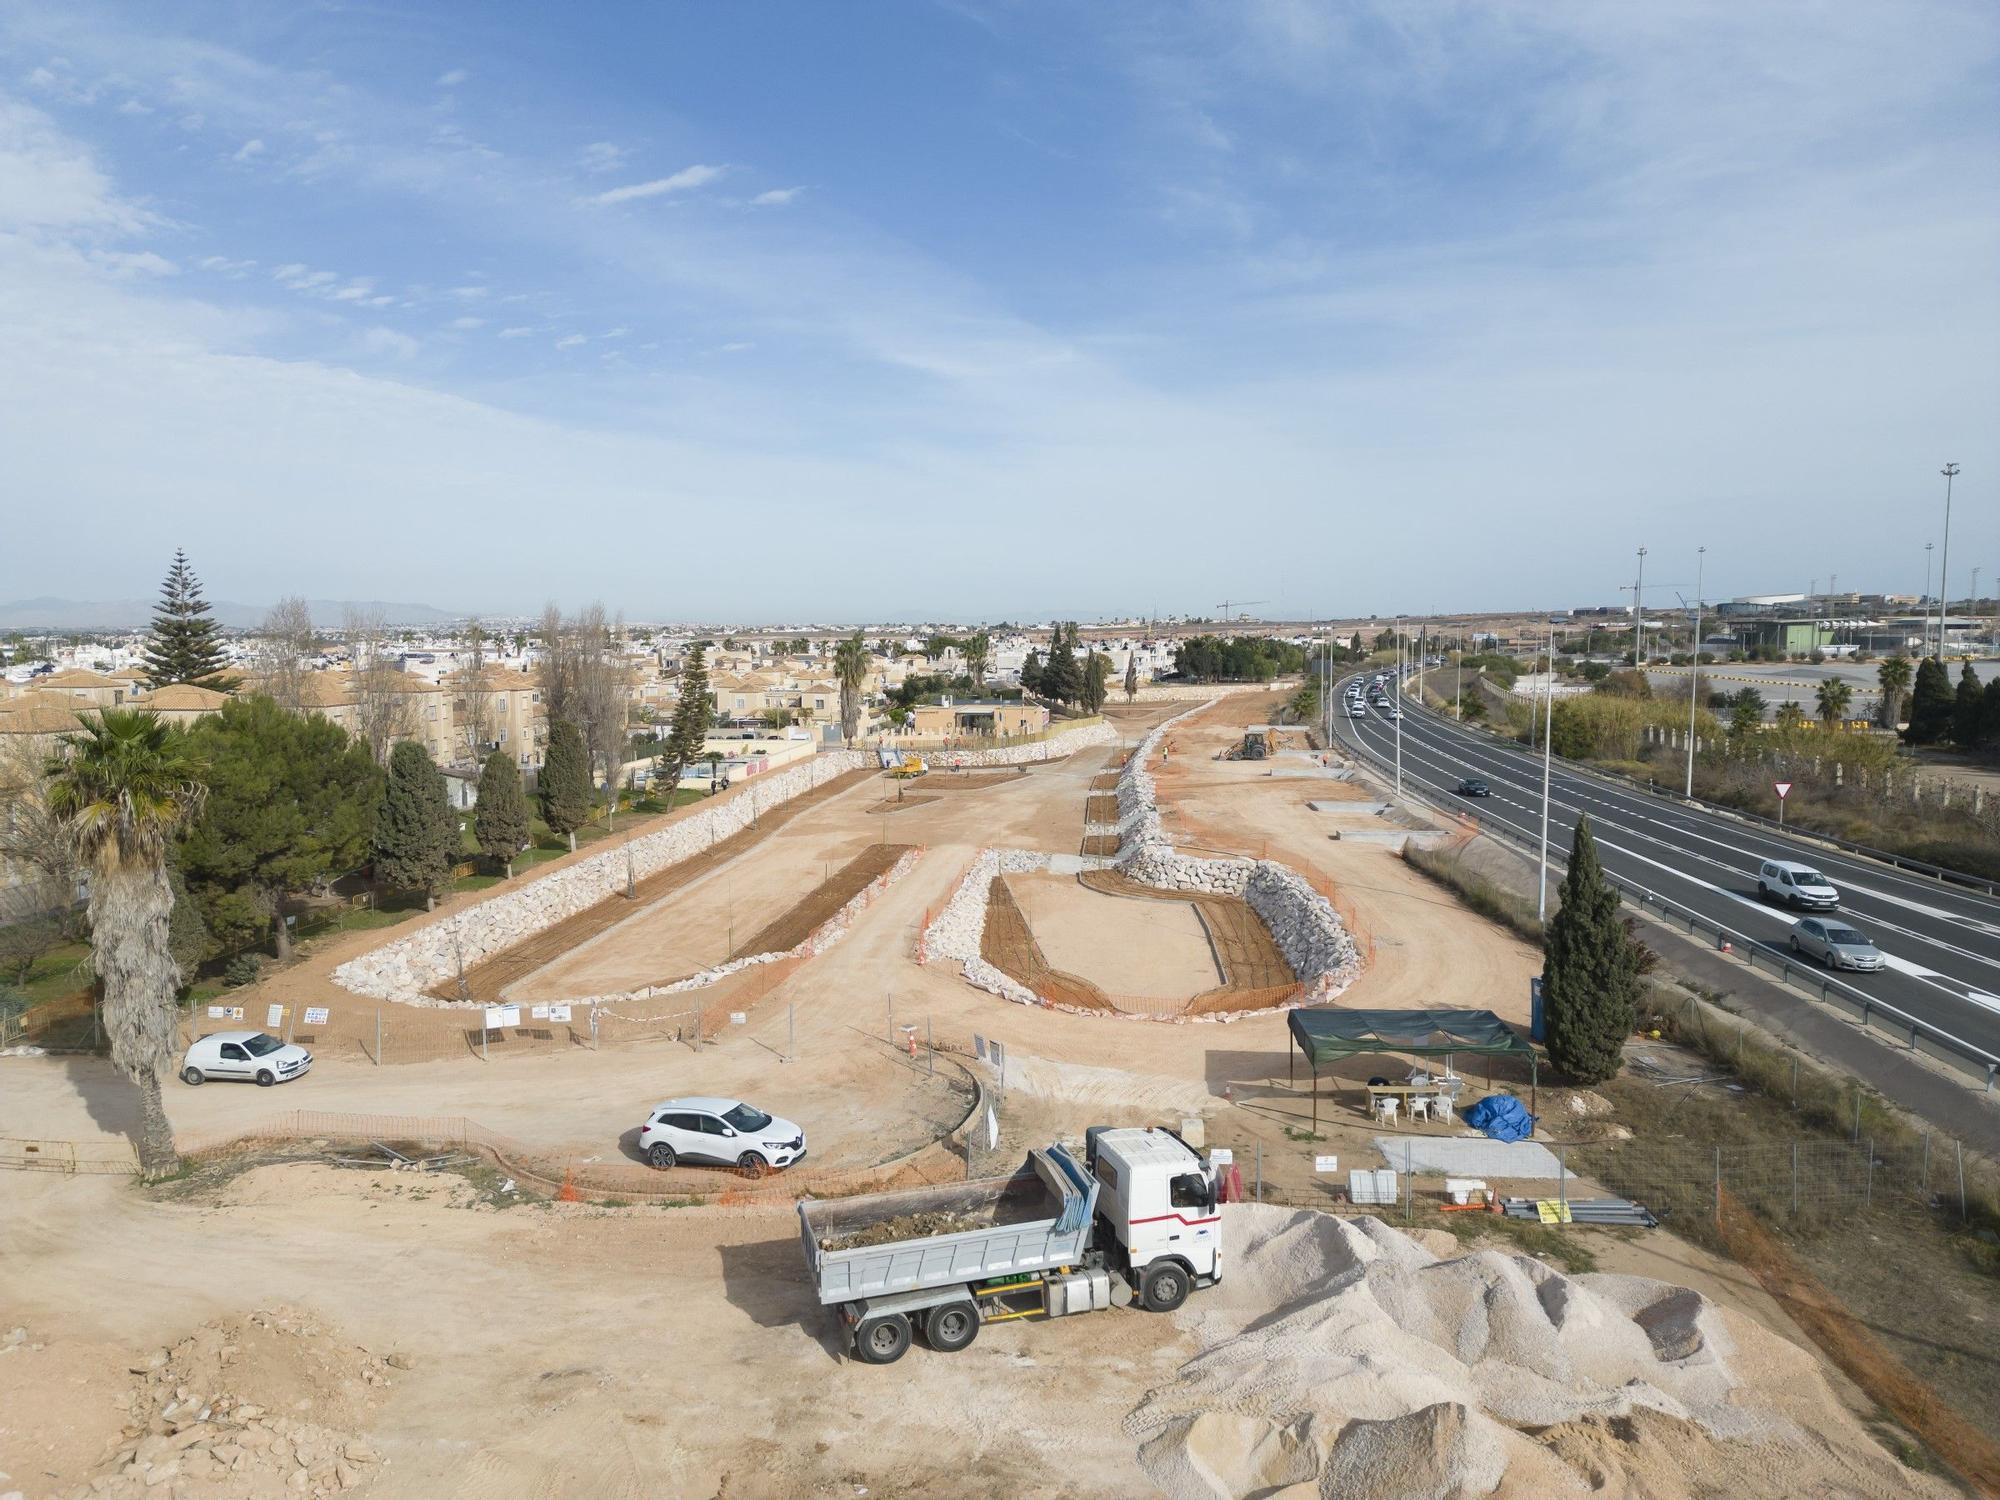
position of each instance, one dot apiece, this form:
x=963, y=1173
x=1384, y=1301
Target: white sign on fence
x=1326, y=1164
x=274, y=1017
x=500, y=1017
x=538, y=1013
x=559, y=1013
x=1221, y=1156
x=316, y=1015
x=225, y=1013
x=739, y=1018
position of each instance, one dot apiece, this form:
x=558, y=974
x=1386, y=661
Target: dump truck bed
x=879, y=1243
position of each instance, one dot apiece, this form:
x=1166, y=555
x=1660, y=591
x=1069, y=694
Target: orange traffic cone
x=568, y=1193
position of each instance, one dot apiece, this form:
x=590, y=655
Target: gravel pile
x=259, y=1406
x=1342, y=1358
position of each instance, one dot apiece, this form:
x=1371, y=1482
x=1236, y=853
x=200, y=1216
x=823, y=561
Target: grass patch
x=1477, y=893
x=1293, y=1133
x=1565, y=1247
x=56, y=974
x=475, y=882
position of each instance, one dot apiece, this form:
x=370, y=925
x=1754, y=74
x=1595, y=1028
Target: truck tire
x=884, y=1340
x=1164, y=1286
x=952, y=1327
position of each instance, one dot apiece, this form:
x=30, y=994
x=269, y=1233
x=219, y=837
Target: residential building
x=961, y=720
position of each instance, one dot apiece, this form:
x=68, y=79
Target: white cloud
x=681, y=181
x=466, y=325
x=223, y=266
x=248, y=151
x=387, y=341
x=452, y=79
x=50, y=183
x=302, y=278
x=128, y=264
x=355, y=291
x=601, y=156
x=134, y=107
x=776, y=197
x=469, y=293
x=571, y=341
x=515, y=333
x=616, y=333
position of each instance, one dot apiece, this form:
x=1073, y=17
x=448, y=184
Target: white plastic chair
x=1441, y=1109
x=1385, y=1109
x=1420, y=1106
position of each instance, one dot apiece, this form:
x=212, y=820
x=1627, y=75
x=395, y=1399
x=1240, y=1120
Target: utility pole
x=1639, y=615
x=1927, y=594
x=1950, y=472
x=1548, y=739
x=1396, y=704
x=1694, y=664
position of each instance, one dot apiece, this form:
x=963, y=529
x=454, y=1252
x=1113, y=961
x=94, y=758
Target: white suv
x=725, y=1131
x=1796, y=885
x=248, y=1055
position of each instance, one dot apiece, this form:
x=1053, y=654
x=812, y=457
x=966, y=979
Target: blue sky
x=984, y=309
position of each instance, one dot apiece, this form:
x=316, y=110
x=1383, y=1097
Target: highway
x=1942, y=943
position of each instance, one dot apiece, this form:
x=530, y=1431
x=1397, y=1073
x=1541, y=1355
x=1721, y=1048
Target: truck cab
x=1157, y=1203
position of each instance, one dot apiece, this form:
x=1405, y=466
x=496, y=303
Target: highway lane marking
x=1945, y=984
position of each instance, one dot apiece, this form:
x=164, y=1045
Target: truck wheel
x=883, y=1341
x=950, y=1328
x=1164, y=1286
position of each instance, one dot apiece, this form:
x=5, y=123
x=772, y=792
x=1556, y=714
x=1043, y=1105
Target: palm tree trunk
x=129, y=909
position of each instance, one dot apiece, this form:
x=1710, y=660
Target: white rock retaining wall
x=408, y=967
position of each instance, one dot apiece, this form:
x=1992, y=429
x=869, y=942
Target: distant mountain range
x=130, y=614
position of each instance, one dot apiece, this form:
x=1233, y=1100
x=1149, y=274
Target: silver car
x=1835, y=944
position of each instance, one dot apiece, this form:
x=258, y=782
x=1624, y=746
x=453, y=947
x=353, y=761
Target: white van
x=1796, y=885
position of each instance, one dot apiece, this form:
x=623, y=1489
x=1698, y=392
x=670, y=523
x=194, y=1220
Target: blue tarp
x=1501, y=1116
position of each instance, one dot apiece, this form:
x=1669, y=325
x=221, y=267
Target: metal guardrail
x=1921, y=1034
x=1940, y=873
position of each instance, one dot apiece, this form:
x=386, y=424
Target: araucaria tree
x=850, y=665
x=290, y=806
x=186, y=646
x=1590, y=976
x=416, y=834
x=563, y=787
x=123, y=786
x=687, y=735
x=500, y=816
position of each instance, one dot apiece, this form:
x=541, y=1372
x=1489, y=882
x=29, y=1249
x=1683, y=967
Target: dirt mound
x=268, y=1404
x=1344, y=1358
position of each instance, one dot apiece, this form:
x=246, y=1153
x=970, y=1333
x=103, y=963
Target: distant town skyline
x=815, y=312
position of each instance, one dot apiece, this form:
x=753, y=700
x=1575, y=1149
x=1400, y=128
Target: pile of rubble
x=247, y=1407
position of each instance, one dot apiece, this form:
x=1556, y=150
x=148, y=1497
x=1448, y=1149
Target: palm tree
x=1894, y=677
x=850, y=665
x=123, y=786
x=1833, y=698
x=1790, y=716
x=978, y=657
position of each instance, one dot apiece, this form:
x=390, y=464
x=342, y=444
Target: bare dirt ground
x=571, y=1349
x=1153, y=949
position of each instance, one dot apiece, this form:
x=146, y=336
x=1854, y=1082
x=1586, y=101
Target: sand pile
x=1344, y=1358
x=256, y=1406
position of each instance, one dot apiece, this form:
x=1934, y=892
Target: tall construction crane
x=1228, y=604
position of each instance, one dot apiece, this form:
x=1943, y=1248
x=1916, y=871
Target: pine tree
x=1031, y=673
x=1590, y=976
x=416, y=833
x=563, y=787
x=500, y=815
x=688, y=732
x=1931, y=704
x=1968, y=709
x=186, y=646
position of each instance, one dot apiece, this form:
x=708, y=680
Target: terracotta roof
x=78, y=677
x=40, y=713
x=184, y=697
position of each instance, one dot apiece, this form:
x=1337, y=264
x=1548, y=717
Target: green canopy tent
x=1327, y=1036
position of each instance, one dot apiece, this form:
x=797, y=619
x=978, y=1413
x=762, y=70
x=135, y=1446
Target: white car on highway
x=1796, y=885
x=248, y=1056
x=727, y=1132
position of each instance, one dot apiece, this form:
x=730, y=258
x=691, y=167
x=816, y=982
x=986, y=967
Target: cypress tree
x=1131, y=676
x=416, y=834
x=563, y=788
x=185, y=645
x=1968, y=709
x=1062, y=678
x=1031, y=673
x=500, y=816
x=1590, y=976
x=1931, y=704
x=1989, y=714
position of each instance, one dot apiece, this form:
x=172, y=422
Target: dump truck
x=1133, y=1220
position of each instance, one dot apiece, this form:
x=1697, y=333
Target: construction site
x=439, y=1263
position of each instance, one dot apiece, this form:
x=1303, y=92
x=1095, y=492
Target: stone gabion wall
x=1060, y=745
x=955, y=932
x=408, y=967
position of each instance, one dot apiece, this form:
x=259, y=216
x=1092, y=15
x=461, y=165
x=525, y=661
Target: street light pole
x=1548, y=739
x=1694, y=664
x=1396, y=703
x=1928, y=546
x=1639, y=615
x=1950, y=472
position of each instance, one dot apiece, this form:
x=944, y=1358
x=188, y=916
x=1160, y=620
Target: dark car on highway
x=1472, y=786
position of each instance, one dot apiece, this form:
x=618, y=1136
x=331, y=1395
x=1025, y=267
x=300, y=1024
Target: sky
x=997, y=309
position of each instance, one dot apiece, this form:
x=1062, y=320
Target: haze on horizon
x=977, y=309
